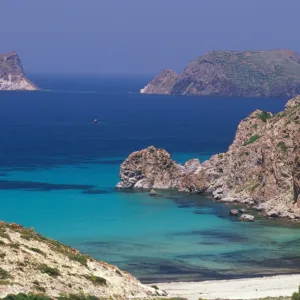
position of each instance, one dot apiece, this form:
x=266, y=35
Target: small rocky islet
x=12, y=75
x=261, y=167
x=273, y=73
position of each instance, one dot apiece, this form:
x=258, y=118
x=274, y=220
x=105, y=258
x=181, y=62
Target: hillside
x=32, y=263
x=274, y=73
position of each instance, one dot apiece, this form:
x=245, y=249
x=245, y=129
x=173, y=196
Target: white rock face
x=16, y=82
x=12, y=75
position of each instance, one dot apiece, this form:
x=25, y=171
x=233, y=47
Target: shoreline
x=247, y=288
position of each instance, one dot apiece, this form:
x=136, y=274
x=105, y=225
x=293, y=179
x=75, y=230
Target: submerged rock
x=153, y=192
x=234, y=212
x=247, y=218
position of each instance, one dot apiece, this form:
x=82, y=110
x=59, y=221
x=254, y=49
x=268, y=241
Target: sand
x=249, y=288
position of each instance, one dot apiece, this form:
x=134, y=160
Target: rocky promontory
x=274, y=73
x=33, y=264
x=12, y=75
x=261, y=167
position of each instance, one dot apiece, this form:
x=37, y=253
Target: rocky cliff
x=32, y=263
x=274, y=73
x=12, y=76
x=260, y=168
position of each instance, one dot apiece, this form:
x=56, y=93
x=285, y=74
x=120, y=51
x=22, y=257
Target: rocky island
x=12, y=75
x=274, y=73
x=261, y=168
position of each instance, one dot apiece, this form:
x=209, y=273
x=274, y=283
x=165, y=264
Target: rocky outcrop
x=274, y=73
x=154, y=168
x=31, y=263
x=260, y=168
x=12, y=75
x=247, y=218
x=162, y=83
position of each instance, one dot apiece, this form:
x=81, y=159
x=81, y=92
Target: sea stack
x=12, y=75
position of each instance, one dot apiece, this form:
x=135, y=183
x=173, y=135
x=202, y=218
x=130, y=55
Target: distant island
x=12, y=75
x=273, y=73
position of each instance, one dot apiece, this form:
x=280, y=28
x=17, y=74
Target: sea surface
x=58, y=171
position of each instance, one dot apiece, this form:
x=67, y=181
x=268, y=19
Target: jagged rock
x=261, y=168
x=247, y=218
x=234, y=212
x=154, y=168
x=242, y=210
x=231, y=73
x=12, y=76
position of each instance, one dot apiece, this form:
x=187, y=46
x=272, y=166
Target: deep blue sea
x=58, y=171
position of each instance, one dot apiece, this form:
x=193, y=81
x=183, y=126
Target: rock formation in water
x=260, y=168
x=31, y=263
x=154, y=168
x=12, y=76
x=274, y=73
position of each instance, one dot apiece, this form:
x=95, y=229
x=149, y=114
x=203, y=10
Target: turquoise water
x=58, y=172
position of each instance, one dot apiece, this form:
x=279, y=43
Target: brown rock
x=261, y=168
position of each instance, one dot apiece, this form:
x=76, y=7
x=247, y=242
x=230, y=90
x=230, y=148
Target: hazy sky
x=140, y=36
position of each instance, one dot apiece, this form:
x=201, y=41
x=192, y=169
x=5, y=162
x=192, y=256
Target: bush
x=4, y=274
x=77, y=297
x=22, y=296
x=252, y=139
x=37, y=250
x=296, y=295
x=264, y=116
x=48, y=270
x=96, y=280
x=282, y=146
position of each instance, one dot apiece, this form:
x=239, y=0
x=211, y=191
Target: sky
x=140, y=36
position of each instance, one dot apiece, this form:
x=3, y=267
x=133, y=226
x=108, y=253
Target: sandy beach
x=249, y=288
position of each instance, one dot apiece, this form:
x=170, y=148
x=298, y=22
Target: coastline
x=247, y=288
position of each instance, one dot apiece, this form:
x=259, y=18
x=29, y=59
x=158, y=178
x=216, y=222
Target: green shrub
x=22, y=296
x=77, y=297
x=14, y=245
x=48, y=270
x=4, y=274
x=37, y=250
x=296, y=295
x=155, y=287
x=264, y=116
x=96, y=280
x=4, y=235
x=77, y=257
x=252, y=139
x=282, y=146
